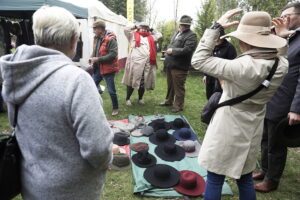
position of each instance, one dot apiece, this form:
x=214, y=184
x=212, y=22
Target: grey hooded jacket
x=62, y=131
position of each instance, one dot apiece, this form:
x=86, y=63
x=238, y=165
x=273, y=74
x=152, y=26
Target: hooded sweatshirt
x=62, y=131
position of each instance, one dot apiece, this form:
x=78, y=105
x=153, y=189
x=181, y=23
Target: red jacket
x=107, y=67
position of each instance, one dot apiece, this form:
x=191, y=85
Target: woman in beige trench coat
x=140, y=68
x=234, y=133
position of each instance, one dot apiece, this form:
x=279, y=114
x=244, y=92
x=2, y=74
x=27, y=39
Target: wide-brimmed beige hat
x=255, y=29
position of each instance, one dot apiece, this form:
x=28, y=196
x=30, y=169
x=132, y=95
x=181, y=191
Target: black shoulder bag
x=10, y=156
x=213, y=102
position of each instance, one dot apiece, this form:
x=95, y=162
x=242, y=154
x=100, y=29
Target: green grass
x=119, y=184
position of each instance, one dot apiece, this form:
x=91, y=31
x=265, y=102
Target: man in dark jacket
x=223, y=49
x=177, y=63
x=285, y=103
x=105, y=61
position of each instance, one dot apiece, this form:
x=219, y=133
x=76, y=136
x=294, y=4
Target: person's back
x=65, y=142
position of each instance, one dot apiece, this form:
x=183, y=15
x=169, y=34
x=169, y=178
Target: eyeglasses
x=287, y=15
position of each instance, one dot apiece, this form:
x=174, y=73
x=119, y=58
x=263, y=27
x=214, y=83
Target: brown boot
x=265, y=186
x=258, y=176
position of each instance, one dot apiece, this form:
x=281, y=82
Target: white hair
x=54, y=26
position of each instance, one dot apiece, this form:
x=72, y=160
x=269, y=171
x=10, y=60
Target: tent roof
x=25, y=8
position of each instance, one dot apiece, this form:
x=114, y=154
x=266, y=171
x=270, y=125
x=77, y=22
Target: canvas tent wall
x=25, y=8
x=116, y=23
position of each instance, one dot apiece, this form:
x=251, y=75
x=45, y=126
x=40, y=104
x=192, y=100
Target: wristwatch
x=216, y=25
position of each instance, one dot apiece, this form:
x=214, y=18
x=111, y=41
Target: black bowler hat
x=170, y=152
x=288, y=135
x=161, y=136
x=121, y=139
x=143, y=159
x=162, y=176
x=178, y=123
x=159, y=124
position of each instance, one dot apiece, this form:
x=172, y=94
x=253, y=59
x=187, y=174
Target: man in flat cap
x=177, y=63
x=105, y=60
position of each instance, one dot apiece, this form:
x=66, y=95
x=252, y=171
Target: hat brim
x=196, y=191
x=193, y=153
x=136, y=133
x=153, y=139
x=134, y=159
x=114, y=167
x=180, y=153
x=184, y=23
x=178, y=137
x=153, y=180
x=288, y=135
x=263, y=41
x=172, y=126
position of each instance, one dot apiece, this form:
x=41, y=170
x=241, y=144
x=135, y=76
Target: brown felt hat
x=139, y=146
x=255, y=29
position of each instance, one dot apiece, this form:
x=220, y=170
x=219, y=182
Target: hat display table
x=144, y=188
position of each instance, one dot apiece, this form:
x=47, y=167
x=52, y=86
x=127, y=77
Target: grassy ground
x=119, y=184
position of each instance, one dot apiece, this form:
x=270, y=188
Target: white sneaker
x=141, y=102
x=128, y=103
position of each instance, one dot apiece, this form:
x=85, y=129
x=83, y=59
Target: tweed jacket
x=234, y=133
x=183, y=47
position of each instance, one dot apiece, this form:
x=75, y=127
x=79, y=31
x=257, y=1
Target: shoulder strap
x=264, y=84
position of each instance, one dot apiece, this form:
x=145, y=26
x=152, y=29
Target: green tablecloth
x=144, y=188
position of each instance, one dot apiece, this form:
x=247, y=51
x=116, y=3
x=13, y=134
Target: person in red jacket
x=105, y=61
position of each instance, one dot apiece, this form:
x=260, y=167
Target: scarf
x=137, y=37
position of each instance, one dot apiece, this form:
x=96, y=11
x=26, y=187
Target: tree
x=205, y=17
x=168, y=30
x=119, y=7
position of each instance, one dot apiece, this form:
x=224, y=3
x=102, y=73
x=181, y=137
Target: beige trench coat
x=138, y=62
x=234, y=134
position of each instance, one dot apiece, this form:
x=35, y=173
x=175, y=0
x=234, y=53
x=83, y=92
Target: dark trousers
x=176, y=91
x=273, y=153
x=1, y=100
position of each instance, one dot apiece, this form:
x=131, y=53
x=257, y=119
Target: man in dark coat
x=285, y=103
x=177, y=63
x=223, y=49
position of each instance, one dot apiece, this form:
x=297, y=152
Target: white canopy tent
x=116, y=23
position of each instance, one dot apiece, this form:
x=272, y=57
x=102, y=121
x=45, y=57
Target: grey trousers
x=273, y=153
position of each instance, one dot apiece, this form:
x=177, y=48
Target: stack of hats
x=121, y=139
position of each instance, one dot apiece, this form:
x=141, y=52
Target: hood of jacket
x=26, y=69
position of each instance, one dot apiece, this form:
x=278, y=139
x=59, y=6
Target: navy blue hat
x=184, y=134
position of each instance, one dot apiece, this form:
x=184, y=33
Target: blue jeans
x=214, y=184
x=110, y=83
x=97, y=76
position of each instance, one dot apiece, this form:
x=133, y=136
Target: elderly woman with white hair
x=65, y=142
x=234, y=134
